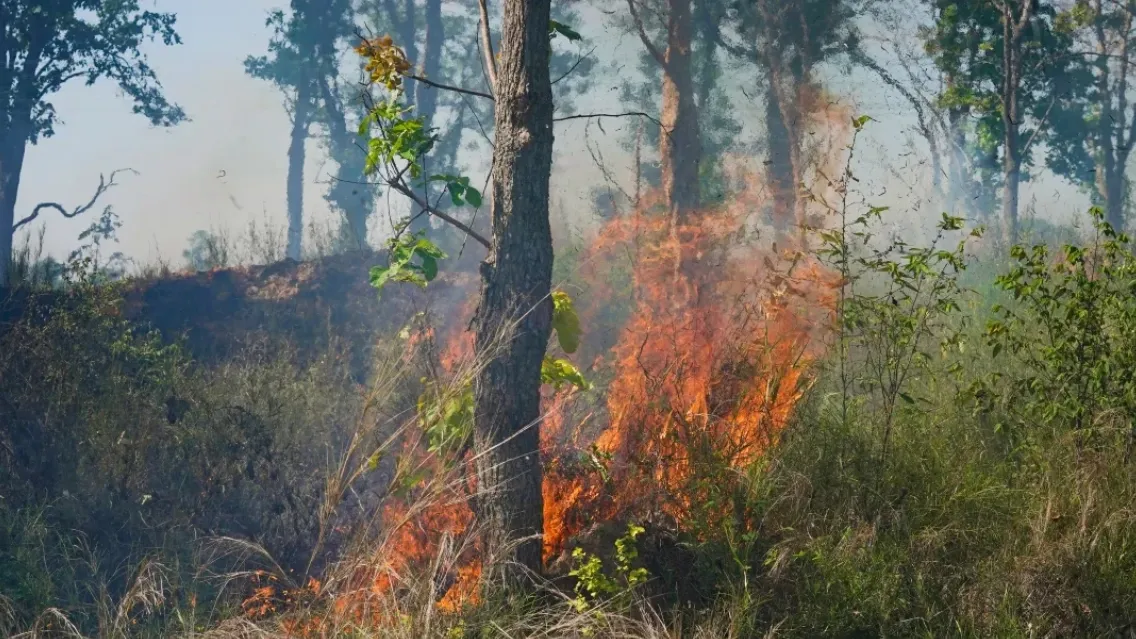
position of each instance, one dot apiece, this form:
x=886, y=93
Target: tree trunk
x=1111, y=187
x=779, y=166
x=680, y=143
x=426, y=97
x=301, y=117
x=1013, y=30
x=514, y=317
x=1011, y=183
x=12, y=148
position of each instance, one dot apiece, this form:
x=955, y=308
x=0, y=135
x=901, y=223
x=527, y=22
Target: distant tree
x=1008, y=76
x=45, y=45
x=1091, y=142
x=206, y=251
x=788, y=40
x=302, y=60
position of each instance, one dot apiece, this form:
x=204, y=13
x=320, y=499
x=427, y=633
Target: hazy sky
x=239, y=127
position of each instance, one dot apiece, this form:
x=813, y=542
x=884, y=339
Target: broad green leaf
x=565, y=322
x=557, y=28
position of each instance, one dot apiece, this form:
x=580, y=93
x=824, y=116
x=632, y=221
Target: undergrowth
x=961, y=467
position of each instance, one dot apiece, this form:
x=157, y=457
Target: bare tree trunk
x=1013, y=31
x=1114, y=135
x=680, y=143
x=301, y=117
x=426, y=97
x=12, y=148
x=514, y=317
x=779, y=165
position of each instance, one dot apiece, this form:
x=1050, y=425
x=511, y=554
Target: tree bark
x=301, y=118
x=681, y=143
x=514, y=317
x=1013, y=31
x=12, y=148
x=779, y=166
x=426, y=97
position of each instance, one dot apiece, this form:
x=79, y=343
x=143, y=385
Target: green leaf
x=429, y=267
x=557, y=28
x=558, y=372
x=473, y=196
x=565, y=322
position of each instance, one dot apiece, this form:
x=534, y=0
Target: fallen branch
x=104, y=185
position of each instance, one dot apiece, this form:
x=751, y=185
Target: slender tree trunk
x=301, y=117
x=12, y=148
x=514, y=318
x=1011, y=187
x=681, y=143
x=408, y=38
x=349, y=193
x=426, y=97
x=1013, y=31
x=1112, y=190
x=779, y=164
x=959, y=186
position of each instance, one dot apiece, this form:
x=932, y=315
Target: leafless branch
x=447, y=87
x=399, y=186
x=650, y=46
x=105, y=184
x=626, y=114
x=576, y=64
x=487, y=45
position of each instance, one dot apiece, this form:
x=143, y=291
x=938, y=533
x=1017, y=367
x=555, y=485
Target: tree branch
x=104, y=185
x=487, y=45
x=643, y=35
x=584, y=116
x=399, y=186
x=577, y=63
x=447, y=87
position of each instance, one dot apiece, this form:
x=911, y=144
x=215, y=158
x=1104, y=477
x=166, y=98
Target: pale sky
x=239, y=127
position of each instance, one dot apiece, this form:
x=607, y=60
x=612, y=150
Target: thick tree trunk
x=514, y=316
x=301, y=117
x=681, y=143
x=12, y=148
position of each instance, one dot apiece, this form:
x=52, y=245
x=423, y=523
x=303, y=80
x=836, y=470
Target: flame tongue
x=705, y=372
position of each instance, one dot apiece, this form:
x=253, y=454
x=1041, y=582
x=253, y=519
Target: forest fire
x=705, y=373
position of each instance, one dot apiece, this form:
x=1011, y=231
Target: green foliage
x=399, y=137
x=88, y=40
x=401, y=267
x=459, y=189
x=565, y=322
x=559, y=372
x=593, y=583
x=1069, y=333
x=560, y=29
x=894, y=299
x=966, y=45
x=446, y=417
